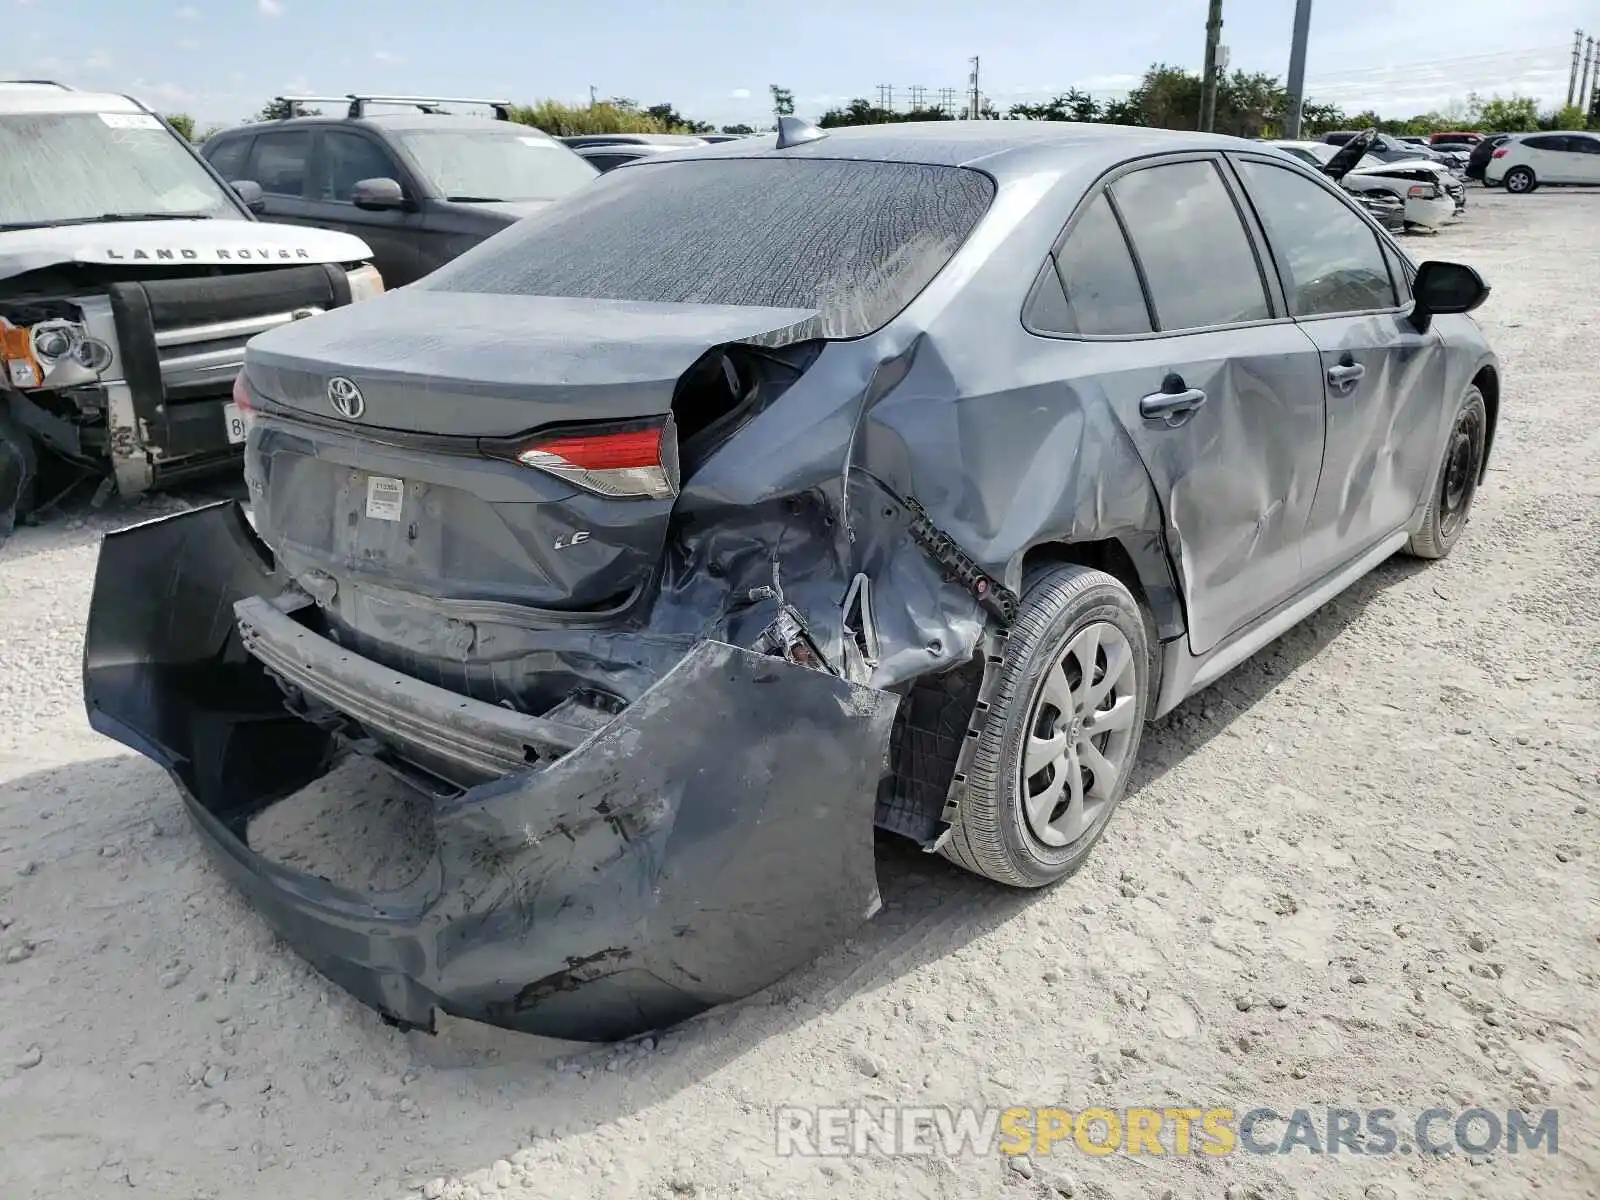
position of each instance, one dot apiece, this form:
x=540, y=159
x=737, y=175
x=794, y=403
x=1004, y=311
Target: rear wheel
x=1520, y=180
x=1063, y=730
x=1451, y=503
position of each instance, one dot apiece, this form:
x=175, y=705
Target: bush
x=561, y=120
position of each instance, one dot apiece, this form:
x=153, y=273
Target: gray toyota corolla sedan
x=764, y=494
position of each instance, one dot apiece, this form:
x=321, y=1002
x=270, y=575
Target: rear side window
x=855, y=240
x=1545, y=143
x=1191, y=244
x=1098, y=276
x=278, y=162
x=227, y=158
x=1331, y=259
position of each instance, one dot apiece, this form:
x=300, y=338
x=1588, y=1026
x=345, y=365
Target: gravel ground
x=1361, y=870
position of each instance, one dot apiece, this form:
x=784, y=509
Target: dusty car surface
x=675, y=538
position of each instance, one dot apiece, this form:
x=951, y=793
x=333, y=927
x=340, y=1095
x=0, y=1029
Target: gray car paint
x=1021, y=448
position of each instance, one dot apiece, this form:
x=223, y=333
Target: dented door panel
x=1382, y=431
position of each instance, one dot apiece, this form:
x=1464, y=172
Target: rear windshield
x=855, y=240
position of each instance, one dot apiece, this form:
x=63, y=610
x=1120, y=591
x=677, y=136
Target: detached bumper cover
x=714, y=836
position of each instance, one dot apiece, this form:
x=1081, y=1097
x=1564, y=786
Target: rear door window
x=1098, y=278
x=854, y=240
x=279, y=162
x=1332, y=260
x=1191, y=244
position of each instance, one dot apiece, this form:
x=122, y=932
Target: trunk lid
x=422, y=503
x=467, y=365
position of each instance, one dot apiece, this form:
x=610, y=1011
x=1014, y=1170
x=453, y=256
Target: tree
x=864, y=112
x=1569, y=117
x=183, y=123
x=739, y=129
x=676, y=122
x=782, y=101
x=1515, y=114
x=279, y=110
x=1071, y=105
x=564, y=120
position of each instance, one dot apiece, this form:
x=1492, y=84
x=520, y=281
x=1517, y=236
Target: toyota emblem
x=346, y=398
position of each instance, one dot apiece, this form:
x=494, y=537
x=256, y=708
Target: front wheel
x=1520, y=180
x=1452, y=498
x=1053, y=758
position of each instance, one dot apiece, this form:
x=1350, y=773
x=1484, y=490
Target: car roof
x=995, y=145
x=43, y=96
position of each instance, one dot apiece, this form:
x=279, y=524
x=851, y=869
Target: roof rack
x=41, y=83
x=357, y=103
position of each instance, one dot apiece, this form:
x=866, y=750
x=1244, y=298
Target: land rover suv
x=131, y=277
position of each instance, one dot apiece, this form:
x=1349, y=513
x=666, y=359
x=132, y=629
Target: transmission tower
x=947, y=100
x=919, y=94
x=886, y=96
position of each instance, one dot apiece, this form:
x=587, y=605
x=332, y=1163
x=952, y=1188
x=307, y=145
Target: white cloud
x=740, y=93
x=188, y=43
x=98, y=61
x=385, y=56
x=270, y=8
x=163, y=95
x=297, y=86
x=188, y=13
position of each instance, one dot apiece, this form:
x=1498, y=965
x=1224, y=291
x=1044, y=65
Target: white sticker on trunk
x=130, y=120
x=385, y=497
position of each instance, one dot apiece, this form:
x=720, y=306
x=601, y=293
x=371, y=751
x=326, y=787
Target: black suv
x=418, y=186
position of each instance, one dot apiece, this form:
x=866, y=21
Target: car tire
x=1519, y=181
x=1457, y=484
x=1028, y=832
x=18, y=468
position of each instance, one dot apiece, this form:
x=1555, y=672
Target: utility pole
x=1583, y=86
x=592, y=91
x=947, y=100
x=1572, y=79
x=886, y=97
x=972, y=112
x=1208, y=89
x=919, y=95
x=1297, y=69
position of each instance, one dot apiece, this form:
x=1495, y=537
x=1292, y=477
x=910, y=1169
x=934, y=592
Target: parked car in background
x=1478, y=160
x=1385, y=146
x=671, y=541
x=131, y=277
x=669, y=140
x=1466, y=139
x=420, y=186
x=1535, y=159
x=607, y=156
x=1432, y=198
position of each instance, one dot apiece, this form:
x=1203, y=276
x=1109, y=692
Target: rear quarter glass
x=856, y=241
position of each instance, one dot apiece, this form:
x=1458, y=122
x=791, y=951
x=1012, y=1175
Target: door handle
x=1345, y=373
x=1168, y=405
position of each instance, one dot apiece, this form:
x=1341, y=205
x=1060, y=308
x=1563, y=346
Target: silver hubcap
x=1080, y=727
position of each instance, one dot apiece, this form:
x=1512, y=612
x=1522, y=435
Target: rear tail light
x=637, y=463
x=1498, y=154
x=1423, y=191
x=241, y=401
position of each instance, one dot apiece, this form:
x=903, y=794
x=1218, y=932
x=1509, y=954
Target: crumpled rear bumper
x=712, y=837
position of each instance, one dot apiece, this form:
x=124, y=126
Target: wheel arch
x=1487, y=381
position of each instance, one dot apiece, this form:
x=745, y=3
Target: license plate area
x=233, y=423
x=389, y=522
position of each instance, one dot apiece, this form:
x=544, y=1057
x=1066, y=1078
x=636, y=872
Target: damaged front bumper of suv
x=602, y=881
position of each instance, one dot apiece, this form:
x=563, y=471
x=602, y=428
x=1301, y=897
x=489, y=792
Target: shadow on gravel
x=524, y=1088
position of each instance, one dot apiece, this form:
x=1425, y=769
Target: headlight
x=31, y=353
x=365, y=283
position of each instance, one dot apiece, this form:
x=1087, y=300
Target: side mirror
x=249, y=191
x=376, y=195
x=1443, y=288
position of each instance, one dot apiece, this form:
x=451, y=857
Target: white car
x=1433, y=197
x=1523, y=163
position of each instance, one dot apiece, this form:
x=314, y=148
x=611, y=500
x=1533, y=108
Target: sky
x=221, y=60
